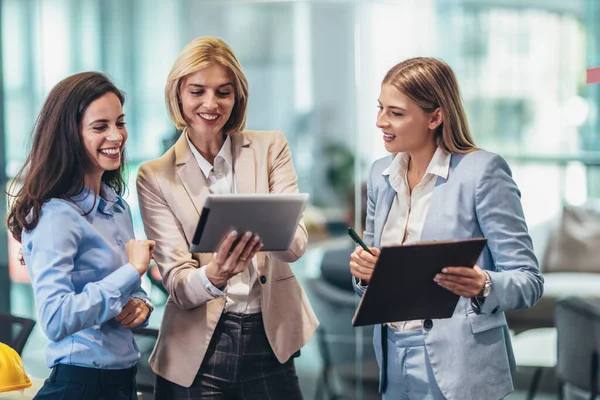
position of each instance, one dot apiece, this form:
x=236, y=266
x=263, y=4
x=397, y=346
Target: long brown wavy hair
x=57, y=161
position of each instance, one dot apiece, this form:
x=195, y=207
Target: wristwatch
x=147, y=303
x=487, y=288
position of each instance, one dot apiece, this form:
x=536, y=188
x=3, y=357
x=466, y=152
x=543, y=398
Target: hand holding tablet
x=233, y=256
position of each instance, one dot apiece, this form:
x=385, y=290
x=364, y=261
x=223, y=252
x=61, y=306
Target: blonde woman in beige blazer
x=234, y=319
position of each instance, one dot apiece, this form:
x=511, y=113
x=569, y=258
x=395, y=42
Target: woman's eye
x=224, y=94
x=121, y=124
x=100, y=128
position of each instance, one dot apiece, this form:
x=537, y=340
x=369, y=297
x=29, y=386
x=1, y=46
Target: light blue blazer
x=470, y=353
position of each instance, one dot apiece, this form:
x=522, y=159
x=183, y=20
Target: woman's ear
x=436, y=119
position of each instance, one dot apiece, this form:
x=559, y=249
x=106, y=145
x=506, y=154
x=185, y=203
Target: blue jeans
x=409, y=373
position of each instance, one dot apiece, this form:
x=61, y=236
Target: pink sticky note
x=593, y=75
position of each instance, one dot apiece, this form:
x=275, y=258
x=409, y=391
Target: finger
x=466, y=281
x=357, y=269
x=151, y=244
x=223, y=251
x=257, y=246
x=461, y=271
x=122, y=316
x=357, y=273
x=135, y=322
x=247, y=255
x=129, y=308
x=458, y=289
x=131, y=317
x=364, y=263
x=364, y=255
x=237, y=251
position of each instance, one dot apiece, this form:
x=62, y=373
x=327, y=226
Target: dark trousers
x=239, y=364
x=80, y=383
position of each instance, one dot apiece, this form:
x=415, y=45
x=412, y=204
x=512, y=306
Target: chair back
x=578, y=326
x=14, y=331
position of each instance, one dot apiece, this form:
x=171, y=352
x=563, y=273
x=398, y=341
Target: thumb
x=375, y=251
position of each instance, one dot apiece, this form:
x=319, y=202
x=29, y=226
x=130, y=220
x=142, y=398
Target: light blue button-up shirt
x=81, y=279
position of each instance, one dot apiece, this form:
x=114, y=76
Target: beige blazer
x=171, y=192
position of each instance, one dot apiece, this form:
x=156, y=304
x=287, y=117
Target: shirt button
x=428, y=324
x=263, y=279
x=119, y=242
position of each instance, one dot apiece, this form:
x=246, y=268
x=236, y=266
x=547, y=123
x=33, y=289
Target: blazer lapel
x=244, y=172
x=189, y=173
x=432, y=226
x=244, y=164
x=383, y=210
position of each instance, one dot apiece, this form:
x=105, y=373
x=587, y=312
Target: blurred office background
x=314, y=69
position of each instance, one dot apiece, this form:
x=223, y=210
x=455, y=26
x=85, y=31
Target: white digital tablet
x=274, y=217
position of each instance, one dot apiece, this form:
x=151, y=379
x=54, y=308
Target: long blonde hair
x=431, y=84
x=198, y=54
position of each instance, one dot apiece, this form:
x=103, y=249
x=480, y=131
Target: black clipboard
x=402, y=286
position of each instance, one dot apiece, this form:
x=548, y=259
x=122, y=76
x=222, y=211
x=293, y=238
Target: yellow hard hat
x=12, y=373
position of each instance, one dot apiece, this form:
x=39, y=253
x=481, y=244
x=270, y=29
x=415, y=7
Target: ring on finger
x=242, y=259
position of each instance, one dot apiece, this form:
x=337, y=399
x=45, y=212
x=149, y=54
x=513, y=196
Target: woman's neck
x=208, y=147
x=420, y=159
x=94, y=183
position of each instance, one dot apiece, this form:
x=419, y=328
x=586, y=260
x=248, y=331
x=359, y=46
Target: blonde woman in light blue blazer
x=437, y=185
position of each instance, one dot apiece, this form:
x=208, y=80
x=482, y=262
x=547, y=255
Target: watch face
x=486, y=290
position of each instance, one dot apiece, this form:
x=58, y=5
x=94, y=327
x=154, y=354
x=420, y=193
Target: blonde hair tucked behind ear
x=199, y=54
x=431, y=84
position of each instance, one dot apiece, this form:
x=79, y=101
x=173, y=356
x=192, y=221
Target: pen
x=358, y=240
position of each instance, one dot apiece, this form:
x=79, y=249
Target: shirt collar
x=90, y=203
x=224, y=157
x=439, y=164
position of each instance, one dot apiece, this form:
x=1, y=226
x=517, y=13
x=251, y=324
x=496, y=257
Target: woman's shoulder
x=56, y=213
x=477, y=166
x=476, y=158
x=61, y=208
x=159, y=163
x=380, y=165
x=262, y=137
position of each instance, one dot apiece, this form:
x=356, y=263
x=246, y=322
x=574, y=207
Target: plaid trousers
x=239, y=364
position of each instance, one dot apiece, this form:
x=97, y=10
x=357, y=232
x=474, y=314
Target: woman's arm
x=49, y=253
x=283, y=179
x=360, y=287
x=516, y=282
x=180, y=273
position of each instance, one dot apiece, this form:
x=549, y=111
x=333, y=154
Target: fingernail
x=445, y=270
x=436, y=278
x=248, y=234
x=233, y=234
x=262, y=245
x=256, y=238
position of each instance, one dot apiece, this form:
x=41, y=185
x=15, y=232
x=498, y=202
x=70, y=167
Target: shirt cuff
x=210, y=288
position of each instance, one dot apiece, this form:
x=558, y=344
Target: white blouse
x=407, y=215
